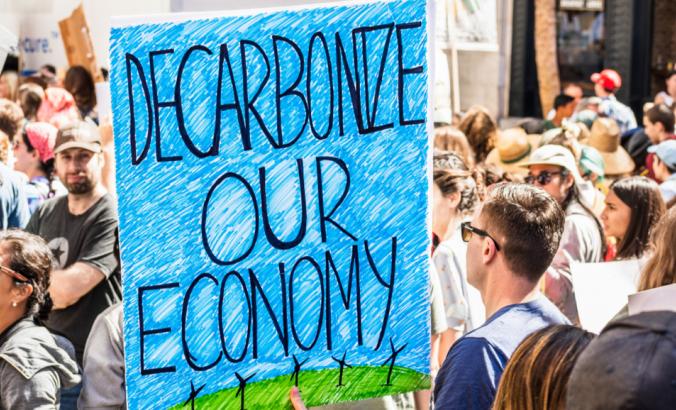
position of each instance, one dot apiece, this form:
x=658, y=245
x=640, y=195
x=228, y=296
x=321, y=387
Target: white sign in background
x=601, y=290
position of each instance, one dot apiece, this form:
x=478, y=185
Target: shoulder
x=105, y=207
x=111, y=320
x=470, y=374
x=474, y=354
x=579, y=219
x=26, y=350
x=472, y=345
x=448, y=249
x=548, y=312
x=30, y=348
x=56, y=204
x=506, y=329
x=12, y=182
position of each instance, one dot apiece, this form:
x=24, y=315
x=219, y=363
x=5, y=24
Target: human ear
x=22, y=292
x=488, y=250
x=454, y=200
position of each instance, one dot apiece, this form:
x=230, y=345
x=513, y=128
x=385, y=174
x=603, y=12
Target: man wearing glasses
x=511, y=241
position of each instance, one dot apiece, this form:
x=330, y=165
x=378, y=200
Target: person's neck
x=509, y=289
x=9, y=319
x=452, y=226
x=80, y=203
x=664, y=136
x=558, y=119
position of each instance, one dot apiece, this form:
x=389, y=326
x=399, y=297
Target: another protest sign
x=78, y=43
x=601, y=290
x=661, y=298
x=273, y=179
x=8, y=44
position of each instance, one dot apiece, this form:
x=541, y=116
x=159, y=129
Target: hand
x=296, y=400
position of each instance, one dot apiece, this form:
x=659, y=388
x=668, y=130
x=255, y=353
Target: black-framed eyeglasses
x=543, y=178
x=13, y=274
x=467, y=230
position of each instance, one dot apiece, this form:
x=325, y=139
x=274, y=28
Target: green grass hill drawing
x=317, y=387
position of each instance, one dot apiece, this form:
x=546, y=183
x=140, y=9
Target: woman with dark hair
x=34, y=156
x=634, y=206
x=80, y=83
x=30, y=98
x=536, y=376
x=454, y=196
x=33, y=367
x=554, y=169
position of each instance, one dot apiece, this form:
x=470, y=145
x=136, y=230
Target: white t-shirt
x=465, y=311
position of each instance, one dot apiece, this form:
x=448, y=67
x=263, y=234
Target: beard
x=79, y=188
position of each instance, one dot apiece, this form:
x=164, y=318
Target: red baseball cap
x=608, y=79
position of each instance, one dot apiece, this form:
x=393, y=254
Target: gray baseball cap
x=79, y=134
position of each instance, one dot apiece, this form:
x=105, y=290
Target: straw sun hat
x=605, y=137
x=512, y=149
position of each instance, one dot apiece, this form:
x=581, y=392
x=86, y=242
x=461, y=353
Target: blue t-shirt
x=471, y=372
x=13, y=203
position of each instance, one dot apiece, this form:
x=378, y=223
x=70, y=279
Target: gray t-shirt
x=90, y=238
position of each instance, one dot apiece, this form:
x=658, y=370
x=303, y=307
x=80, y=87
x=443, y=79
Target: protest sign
x=273, y=174
x=8, y=42
x=103, y=107
x=661, y=298
x=78, y=43
x=601, y=290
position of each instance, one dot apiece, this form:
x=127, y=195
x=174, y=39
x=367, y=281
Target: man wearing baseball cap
x=553, y=169
x=606, y=83
x=664, y=165
x=81, y=230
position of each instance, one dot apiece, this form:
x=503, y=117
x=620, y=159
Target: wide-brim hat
x=512, y=148
x=605, y=137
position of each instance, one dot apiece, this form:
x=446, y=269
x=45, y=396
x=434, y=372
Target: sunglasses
x=543, y=178
x=13, y=274
x=468, y=230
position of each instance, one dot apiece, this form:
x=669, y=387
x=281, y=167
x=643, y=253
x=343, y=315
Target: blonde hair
x=5, y=147
x=12, y=80
x=660, y=270
x=536, y=376
x=451, y=139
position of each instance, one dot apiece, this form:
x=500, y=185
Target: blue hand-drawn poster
x=272, y=172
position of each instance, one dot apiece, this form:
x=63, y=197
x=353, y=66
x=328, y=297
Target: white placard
x=662, y=298
x=8, y=42
x=601, y=290
x=103, y=100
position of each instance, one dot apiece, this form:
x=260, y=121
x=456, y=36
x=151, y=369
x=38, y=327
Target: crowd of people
x=512, y=210
x=59, y=242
